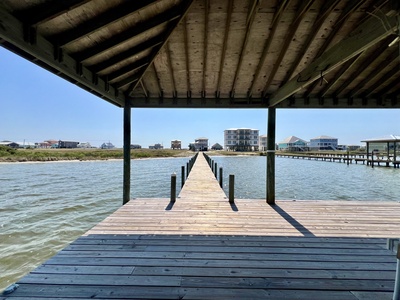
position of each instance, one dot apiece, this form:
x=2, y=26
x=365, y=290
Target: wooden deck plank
x=201, y=247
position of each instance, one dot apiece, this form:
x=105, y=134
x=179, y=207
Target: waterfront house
x=107, y=146
x=136, y=146
x=67, y=144
x=217, y=147
x=156, y=146
x=241, y=139
x=9, y=144
x=323, y=142
x=200, y=144
x=293, y=144
x=176, y=144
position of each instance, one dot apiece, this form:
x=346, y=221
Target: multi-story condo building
x=323, y=142
x=241, y=139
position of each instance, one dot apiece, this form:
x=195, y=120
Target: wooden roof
x=215, y=53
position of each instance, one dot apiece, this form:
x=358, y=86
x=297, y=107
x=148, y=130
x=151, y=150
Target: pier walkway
x=202, y=247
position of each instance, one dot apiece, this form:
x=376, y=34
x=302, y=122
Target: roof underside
x=215, y=53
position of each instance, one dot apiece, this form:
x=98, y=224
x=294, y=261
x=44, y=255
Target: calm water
x=44, y=206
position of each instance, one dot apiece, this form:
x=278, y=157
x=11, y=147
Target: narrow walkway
x=203, y=248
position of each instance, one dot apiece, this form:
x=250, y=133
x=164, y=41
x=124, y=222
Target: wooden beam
x=243, y=103
x=367, y=34
x=128, y=68
x=388, y=76
x=169, y=15
x=12, y=31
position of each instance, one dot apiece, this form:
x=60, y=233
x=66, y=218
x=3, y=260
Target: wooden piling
x=220, y=177
x=231, y=188
x=183, y=175
x=173, y=187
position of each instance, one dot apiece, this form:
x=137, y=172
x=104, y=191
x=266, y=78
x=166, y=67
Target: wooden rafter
x=274, y=26
x=345, y=15
x=343, y=69
x=146, y=94
x=170, y=69
x=47, y=10
x=387, y=89
x=160, y=89
x=129, y=68
x=185, y=41
x=388, y=76
x=364, y=36
x=112, y=15
x=355, y=91
x=323, y=14
x=289, y=37
x=120, y=57
x=368, y=60
x=224, y=45
x=168, y=16
x=181, y=11
x=249, y=22
x=206, y=17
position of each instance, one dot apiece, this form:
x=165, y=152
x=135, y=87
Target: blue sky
x=36, y=105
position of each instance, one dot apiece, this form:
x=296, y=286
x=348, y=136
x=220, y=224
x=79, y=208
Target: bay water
x=45, y=206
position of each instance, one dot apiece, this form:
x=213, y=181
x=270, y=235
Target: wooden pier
x=203, y=247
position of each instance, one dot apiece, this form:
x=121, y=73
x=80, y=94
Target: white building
x=323, y=142
x=262, y=144
x=200, y=144
x=241, y=139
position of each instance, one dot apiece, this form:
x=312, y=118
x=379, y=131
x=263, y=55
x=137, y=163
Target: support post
x=173, y=188
x=220, y=177
x=271, y=155
x=187, y=169
x=231, y=188
x=183, y=175
x=127, y=154
x=215, y=169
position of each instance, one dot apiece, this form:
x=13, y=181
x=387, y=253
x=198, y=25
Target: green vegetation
x=8, y=154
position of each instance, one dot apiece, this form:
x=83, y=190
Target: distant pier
x=345, y=158
x=203, y=247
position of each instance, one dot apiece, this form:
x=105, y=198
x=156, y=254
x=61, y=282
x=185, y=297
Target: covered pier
x=270, y=55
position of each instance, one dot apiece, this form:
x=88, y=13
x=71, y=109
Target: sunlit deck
x=202, y=247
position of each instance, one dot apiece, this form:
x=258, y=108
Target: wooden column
x=271, y=155
x=127, y=154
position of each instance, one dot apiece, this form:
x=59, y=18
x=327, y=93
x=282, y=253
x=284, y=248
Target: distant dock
x=345, y=158
x=203, y=247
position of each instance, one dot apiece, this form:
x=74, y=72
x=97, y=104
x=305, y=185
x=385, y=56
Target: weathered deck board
x=201, y=247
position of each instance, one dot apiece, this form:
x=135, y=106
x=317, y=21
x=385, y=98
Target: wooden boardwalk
x=201, y=247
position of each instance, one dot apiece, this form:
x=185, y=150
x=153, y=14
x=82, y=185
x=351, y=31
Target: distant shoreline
x=79, y=155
